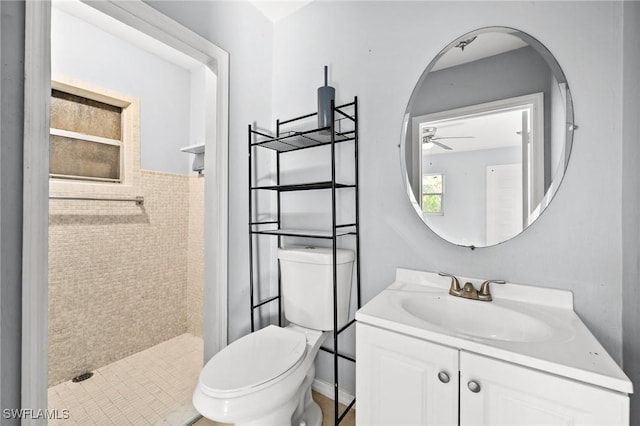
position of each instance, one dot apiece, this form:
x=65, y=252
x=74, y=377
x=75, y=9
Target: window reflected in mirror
x=432, y=193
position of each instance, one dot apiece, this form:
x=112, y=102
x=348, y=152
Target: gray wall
x=11, y=128
x=507, y=75
x=87, y=53
x=631, y=200
x=378, y=50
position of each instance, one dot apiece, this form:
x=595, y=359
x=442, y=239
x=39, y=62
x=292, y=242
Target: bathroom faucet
x=469, y=291
x=485, y=292
x=455, y=289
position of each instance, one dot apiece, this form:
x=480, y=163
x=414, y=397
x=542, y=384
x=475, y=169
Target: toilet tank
x=306, y=275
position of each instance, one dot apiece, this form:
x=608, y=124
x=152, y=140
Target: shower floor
x=141, y=389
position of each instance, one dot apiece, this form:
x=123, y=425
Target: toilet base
x=300, y=411
x=312, y=416
x=282, y=416
x=308, y=412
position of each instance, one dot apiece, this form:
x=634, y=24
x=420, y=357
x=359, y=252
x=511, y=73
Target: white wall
x=377, y=50
x=85, y=52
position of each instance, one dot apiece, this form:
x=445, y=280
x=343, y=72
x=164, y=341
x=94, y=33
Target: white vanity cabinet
x=398, y=383
x=402, y=380
x=426, y=357
x=494, y=392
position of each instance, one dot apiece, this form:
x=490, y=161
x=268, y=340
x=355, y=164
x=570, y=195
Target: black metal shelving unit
x=289, y=141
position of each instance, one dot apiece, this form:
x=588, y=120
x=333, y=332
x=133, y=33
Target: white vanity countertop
x=569, y=349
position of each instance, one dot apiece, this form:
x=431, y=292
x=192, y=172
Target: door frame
x=148, y=20
x=536, y=100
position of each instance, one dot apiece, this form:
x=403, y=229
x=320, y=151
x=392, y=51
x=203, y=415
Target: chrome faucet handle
x=455, y=289
x=485, y=292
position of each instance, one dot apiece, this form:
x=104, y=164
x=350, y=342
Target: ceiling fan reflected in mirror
x=429, y=139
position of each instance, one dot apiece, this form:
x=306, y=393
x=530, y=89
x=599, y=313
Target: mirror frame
x=557, y=178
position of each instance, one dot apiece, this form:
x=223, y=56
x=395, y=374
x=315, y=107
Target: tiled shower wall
x=195, y=279
x=123, y=277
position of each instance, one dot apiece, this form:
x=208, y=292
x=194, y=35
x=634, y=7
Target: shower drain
x=82, y=377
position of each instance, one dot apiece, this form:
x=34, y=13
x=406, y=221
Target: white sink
x=526, y=325
x=486, y=320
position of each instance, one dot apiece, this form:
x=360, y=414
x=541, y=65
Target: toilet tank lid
x=316, y=255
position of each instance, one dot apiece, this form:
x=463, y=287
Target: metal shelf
x=304, y=186
x=304, y=233
x=340, y=355
x=264, y=302
x=294, y=141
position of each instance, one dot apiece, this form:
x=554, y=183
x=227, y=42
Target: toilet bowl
x=265, y=377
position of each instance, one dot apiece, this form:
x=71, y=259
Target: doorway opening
x=125, y=279
x=492, y=158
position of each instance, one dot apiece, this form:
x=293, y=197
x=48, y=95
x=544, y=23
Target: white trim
x=537, y=130
x=83, y=179
x=35, y=248
x=35, y=231
x=483, y=108
x=84, y=137
x=122, y=31
x=91, y=91
x=326, y=389
x=148, y=20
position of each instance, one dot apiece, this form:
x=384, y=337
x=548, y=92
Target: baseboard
x=326, y=389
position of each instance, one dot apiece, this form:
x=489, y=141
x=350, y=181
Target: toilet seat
x=252, y=361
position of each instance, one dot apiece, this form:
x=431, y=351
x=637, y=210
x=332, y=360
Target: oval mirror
x=486, y=137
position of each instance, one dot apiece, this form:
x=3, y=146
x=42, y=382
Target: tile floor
x=146, y=388
x=326, y=404
x=141, y=389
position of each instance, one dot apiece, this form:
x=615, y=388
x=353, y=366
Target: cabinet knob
x=443, y=377
x=473, y=386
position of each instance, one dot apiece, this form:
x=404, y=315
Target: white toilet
x=265, y=378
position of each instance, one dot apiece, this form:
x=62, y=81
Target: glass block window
x=86, y=139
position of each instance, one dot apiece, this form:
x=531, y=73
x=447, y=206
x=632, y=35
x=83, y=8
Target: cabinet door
x=397, y=380
x=515, y=396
